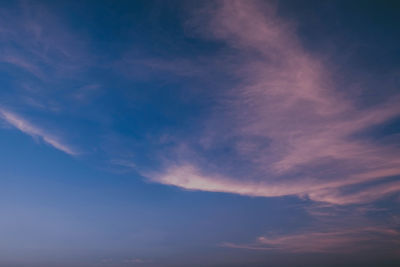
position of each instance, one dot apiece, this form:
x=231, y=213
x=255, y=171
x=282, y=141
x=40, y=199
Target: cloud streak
x=34, y=131
x=345, y=241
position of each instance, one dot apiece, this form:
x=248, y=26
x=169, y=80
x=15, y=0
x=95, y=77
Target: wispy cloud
x=23, y=64
x=290, y=130
x=345, y=241
x=40, y=51
x=34, y=131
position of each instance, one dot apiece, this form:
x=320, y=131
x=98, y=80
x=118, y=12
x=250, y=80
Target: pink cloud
x=344, y=241
x=34, y=131
x=285, y=96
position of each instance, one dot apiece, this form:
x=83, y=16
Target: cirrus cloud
x=289, y=129
x=36, y=132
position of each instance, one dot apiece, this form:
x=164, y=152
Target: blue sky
x=199, y=133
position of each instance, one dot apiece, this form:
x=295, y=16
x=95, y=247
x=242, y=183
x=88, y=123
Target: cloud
x=37, y=38
x=39, y=51
x=190, y=178
x=344, y=241
x=290, y=131
x=34, y=131
x=45, y=64
x=365, y=195
x=23, y=64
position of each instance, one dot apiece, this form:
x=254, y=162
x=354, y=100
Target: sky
x=199, y=133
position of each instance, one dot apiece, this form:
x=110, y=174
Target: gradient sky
x=199, y=133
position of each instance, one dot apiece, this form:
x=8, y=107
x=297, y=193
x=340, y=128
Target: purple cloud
x=287, y=99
